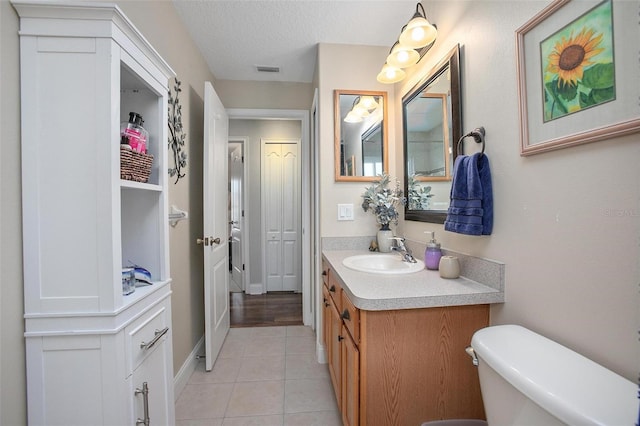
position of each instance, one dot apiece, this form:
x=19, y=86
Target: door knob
x=208, y=241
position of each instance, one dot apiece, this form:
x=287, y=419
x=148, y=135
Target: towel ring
x=477, y=134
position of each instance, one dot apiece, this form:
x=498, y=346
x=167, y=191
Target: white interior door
x=215, y=210
x=281, y=213
x=236, y=177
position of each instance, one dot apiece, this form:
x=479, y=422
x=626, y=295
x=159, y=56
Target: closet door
x=281, y=214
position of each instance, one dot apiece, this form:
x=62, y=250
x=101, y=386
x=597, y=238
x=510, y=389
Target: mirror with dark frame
x=432, y=125
x=360, y=131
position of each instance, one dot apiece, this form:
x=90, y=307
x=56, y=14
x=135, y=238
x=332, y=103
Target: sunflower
x=571, y=56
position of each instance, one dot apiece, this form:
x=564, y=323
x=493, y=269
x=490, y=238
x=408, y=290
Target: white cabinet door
x=158, y=402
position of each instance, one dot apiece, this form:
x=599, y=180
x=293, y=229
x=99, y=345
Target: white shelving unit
x=91, y=350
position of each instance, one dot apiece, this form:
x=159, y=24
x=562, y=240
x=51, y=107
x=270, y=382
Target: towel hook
x=477, y=134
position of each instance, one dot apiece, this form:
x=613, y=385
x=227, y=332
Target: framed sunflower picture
x=578, y=74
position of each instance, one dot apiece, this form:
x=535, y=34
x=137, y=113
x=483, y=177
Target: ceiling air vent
x=262, y=68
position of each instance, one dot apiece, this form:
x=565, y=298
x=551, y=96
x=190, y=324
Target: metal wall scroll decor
x=176, y=134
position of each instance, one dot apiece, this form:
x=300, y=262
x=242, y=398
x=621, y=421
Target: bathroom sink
x=377, y=263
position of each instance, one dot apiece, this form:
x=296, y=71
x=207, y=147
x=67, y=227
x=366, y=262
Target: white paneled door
x=281, y=214
x=215, y=225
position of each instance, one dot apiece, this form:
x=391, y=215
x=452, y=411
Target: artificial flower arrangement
x=383, y=201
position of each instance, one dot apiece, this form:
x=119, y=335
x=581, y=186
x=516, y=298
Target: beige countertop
x=424, y=289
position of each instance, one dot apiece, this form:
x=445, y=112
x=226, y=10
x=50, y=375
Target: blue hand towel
x=471, y=208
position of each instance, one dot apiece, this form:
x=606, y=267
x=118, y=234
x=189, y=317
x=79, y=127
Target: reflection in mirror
x=431, y=113
x=428, y=128
x=360, y=135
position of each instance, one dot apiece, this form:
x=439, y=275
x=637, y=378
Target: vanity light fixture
x=402, y=56
x=416, y=38
x=368, y=102
x=352, y=117
x=419, y=32
x=362, y=107
x=390, y=74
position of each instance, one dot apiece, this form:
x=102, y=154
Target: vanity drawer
x=325, y=273
x=351, y=318
x=144, y=335
x=335, y=290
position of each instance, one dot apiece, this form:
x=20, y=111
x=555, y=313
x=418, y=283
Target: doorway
x=254, y=284
x=266, y=310
x=237, y=232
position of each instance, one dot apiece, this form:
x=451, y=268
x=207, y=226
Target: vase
x=384, y=238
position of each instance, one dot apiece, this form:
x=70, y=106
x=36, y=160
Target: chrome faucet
x=402, y=250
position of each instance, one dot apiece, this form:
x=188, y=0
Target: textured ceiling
x=235, y=36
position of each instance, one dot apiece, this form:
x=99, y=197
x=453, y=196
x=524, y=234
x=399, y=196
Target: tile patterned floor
x=263, y=376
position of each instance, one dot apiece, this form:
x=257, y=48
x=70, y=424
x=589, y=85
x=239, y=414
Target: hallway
x=268, y=309
x=263, y=376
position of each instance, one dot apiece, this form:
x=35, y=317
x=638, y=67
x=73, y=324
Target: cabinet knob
x=324, y=273
x=345, y=315
x=332, y=289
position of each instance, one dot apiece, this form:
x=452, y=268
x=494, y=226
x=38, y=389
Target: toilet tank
x=527, y=379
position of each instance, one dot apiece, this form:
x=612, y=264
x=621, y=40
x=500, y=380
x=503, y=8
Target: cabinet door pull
x=345, y=315
x=145, y=401
x=340, y=338
x=332, y=289
x=158, y=335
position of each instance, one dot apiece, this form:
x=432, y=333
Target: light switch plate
x=345, y=211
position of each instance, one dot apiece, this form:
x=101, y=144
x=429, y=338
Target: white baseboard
x=321, y=353
x=254, y=288
x=182, y=378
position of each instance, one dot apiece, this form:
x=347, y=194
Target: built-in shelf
x=139, y=185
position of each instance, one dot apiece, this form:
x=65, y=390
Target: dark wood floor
x=270, y=309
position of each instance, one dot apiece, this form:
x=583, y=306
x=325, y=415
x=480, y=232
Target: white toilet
x=527, y=379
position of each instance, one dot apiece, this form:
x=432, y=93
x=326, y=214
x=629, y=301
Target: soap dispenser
x=433, y=253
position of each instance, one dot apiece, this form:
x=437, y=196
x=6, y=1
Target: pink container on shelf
x=133, y=134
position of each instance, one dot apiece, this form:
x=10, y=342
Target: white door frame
x=316, y=246
x=246, y=278
x=301, y=115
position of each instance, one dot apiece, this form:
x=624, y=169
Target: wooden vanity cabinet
x=405, y=366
